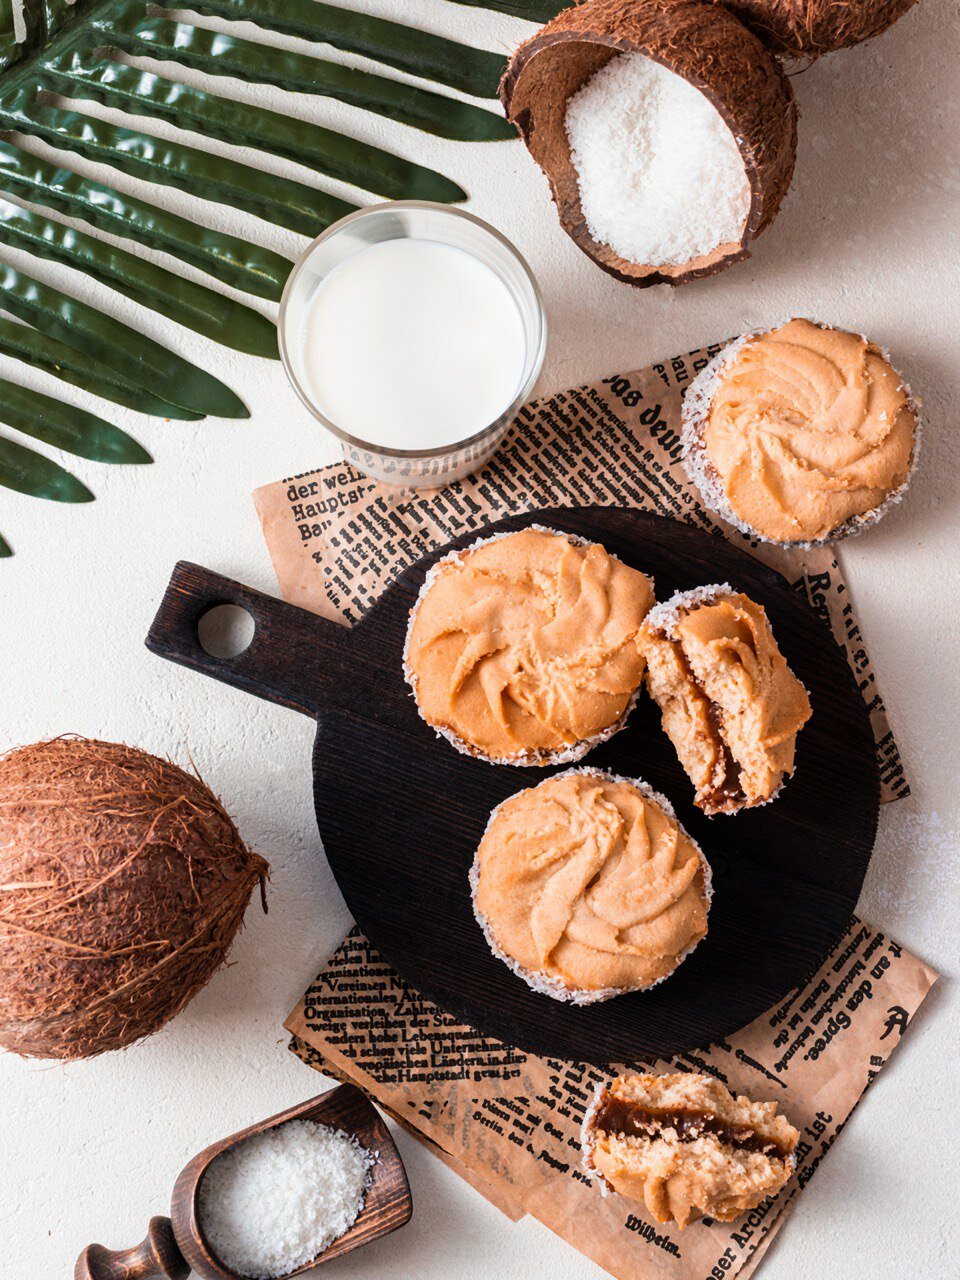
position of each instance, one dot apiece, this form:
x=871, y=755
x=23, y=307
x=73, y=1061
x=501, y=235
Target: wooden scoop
x=175, y=1245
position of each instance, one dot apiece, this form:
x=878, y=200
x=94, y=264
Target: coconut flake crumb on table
x=278, y=1200
x=661, y=178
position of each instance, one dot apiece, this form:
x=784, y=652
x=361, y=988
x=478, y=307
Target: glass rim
x=440, y=451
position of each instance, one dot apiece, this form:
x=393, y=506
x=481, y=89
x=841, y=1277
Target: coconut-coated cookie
x=685, y=1147
x=588, y=887
x=729, y=702
x=523, y=648
x=800, y=435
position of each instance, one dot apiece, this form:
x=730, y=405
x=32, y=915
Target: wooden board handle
x=295, y=658
x=156, y=1256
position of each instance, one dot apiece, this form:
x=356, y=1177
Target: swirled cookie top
x=585, y=881
x=528, y=643
x=730, y=703
x=807, y=428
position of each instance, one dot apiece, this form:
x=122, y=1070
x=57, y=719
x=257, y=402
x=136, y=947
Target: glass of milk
x=414, y=332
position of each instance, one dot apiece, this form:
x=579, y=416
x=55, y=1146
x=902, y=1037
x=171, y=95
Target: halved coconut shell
x=808, y=28
x=699, y=41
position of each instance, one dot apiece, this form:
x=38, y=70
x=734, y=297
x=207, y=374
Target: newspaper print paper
x=338, y=538
x=510, y=1122
x=506, y=1121
x=498, y=1194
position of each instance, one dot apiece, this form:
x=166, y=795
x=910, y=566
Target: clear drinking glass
x=413, y=220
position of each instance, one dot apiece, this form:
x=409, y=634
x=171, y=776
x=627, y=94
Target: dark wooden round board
x=401, y=812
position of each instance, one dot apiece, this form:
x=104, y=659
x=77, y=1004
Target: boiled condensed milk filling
x=412, y=344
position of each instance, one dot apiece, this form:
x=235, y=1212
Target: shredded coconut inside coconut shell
x=661, y=177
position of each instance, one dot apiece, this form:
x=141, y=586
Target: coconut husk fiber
x=805, y=29
x=122, y=884
x=698, y=40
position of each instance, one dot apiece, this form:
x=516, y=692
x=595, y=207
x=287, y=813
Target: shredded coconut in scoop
x=275, y=1202
x=661, y=177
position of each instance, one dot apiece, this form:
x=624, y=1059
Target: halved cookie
x=587, y=887
x=729, y=703
x=684, y=1146
x=523, y=648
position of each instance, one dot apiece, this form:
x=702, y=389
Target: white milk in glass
x=412, y=344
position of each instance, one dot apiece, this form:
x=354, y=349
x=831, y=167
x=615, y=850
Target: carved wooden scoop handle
x=156, y=1256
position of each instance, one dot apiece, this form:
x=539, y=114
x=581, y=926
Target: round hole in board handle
x=225, y=631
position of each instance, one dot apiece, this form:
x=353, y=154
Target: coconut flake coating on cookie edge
x=570, y=754
x=663, y=619
x=544, y=983
x=700, y=471
x=588, y=1140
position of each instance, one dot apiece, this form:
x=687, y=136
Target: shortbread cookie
x=523, y=649
x=588, y=887
x=801, y=435
x=729, y=703
x=685, y=1147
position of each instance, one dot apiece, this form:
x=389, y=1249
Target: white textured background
x=869, y=238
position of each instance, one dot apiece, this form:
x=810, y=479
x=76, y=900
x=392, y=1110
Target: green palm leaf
x=31, y=473
x=182, y=300
x=5, y=549
x=141, y=92
x=35, y=348
x=220, y=54
x=201, y=173
x=233, y=261
x=408, y=49
x=66, y=427
x=8, y=49
x=532, y=10
x=138, y=358
x=62, y=56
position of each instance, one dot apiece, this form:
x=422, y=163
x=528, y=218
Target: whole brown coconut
x=698, y=40
x=122, y=884
x=808, y=28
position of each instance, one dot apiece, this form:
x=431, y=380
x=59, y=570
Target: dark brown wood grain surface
x=401, y=812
